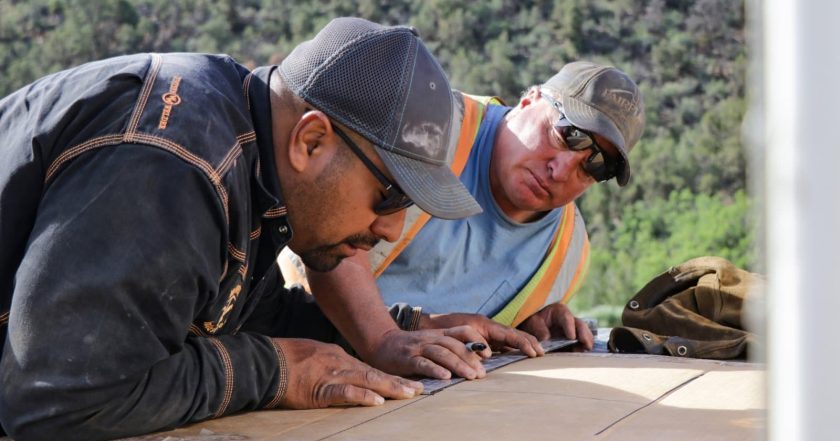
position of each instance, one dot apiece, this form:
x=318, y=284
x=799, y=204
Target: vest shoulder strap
x=534, y=294
x=473, y=110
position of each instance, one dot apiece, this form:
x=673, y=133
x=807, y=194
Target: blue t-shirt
x=477, y=264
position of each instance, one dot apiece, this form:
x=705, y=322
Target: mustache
x=356, y=240
x=361, y=240
x=322, y=258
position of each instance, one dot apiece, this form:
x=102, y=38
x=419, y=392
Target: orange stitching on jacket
x=243, y=271
x=149, y=81
x=276, y=212
x=245, y=138
x=256, y=233
x=245, y=89
x=195, y=330
x=183, y=152
x=193, y=159
x=4, y=318
x=161, y=143
x=283, y=374
x=149, y=139
x=78, y=150
x=225, y=357
x=235, y=152
x=72, y=151
x=229, y=159
x=238, y=255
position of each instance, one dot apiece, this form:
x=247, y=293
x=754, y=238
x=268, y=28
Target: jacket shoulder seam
x=149, y=81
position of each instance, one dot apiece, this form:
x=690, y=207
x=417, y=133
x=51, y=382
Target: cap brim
x=434, y=188
x=588, y=118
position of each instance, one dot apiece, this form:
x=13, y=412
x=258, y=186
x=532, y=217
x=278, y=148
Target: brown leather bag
x=692, y=310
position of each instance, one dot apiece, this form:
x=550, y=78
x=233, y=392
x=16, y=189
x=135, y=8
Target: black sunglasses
x=395, y=200
x=598, y=164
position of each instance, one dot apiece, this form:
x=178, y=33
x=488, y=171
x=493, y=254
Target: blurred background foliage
x=687, y=196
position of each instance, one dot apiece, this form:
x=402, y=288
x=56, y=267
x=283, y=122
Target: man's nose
x=566, y=163
x=389, y=226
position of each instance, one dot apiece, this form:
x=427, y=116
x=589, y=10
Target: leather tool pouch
x=692, y=310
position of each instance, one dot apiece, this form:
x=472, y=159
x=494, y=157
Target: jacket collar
x=260, y=104
x=270, y=195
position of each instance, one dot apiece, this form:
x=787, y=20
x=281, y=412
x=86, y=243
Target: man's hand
x=435, y=353
x=322, y=375
x=556, y=320
x=498, y=335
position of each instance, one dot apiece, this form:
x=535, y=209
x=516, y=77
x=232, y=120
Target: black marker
x=476, y=346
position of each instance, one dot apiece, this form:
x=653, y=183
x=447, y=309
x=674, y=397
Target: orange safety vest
x=536, y=293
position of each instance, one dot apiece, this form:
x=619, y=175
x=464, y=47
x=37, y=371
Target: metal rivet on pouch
x=634, y=304
x=682, y=350
x=283, y=229
x=646, y=337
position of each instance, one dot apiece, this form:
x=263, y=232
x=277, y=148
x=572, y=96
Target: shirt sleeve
x=127, y=245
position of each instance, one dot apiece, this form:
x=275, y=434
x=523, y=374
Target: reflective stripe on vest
x=533, y=296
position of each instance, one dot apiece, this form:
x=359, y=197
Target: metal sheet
x=432, y=386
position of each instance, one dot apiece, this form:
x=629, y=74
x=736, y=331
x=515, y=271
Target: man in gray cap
x=522, y=259
x=144, y=199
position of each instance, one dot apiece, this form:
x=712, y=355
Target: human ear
x=307, y=146
x=528, y=98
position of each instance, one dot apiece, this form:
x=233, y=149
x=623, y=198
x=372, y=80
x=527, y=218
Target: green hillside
x=687, y=196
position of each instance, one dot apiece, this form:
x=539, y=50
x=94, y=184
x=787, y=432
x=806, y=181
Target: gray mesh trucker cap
x=382, y=83
x=604, y=100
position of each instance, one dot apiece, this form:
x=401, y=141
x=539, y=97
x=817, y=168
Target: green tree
x=686, y=197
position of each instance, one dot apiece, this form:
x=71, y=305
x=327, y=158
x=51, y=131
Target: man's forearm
x=349, y=297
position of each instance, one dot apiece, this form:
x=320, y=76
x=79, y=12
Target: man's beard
x=323, y=258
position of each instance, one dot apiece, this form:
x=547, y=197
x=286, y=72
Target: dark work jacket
x=140, y=216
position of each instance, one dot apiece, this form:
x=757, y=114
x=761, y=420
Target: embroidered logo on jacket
x=170, y=99
x=231, y=301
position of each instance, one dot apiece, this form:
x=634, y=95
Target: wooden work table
x=569, y=396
